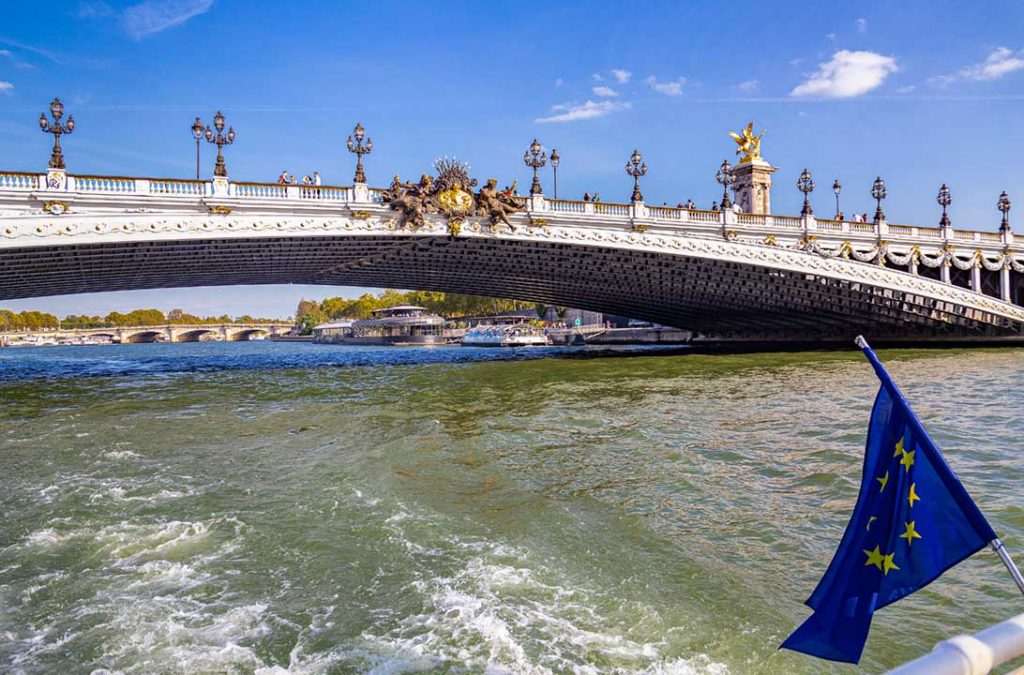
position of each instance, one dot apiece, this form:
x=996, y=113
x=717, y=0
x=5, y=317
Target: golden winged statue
x=750, y=145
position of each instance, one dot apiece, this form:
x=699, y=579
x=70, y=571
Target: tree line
x=450, y=305
x=35, y=320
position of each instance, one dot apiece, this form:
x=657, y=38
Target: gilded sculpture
x=749, y=144
x=450, y=195
x=496, y=204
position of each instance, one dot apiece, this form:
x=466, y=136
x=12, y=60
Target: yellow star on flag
x=883, y=480
x=899, y=448
x=909, y=533
x=908, y=459
x=888, y=563
x=912, y=496
x=875, y=557
x=871, y=520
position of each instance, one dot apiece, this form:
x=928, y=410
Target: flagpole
x=997, y=546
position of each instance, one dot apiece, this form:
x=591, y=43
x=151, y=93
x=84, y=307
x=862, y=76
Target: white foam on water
x=501, y=612
x=119, y=454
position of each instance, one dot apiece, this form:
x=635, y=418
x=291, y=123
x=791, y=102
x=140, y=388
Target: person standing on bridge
x=283, y=178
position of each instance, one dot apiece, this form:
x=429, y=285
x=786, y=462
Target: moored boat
x=508, y=335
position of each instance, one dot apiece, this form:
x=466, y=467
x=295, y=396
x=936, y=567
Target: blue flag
x=913, y=521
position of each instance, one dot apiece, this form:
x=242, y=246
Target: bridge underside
x=711, y=297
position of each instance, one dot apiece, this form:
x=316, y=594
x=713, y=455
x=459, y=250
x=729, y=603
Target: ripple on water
x=238, y=510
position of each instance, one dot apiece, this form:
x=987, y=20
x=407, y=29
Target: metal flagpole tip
x=861, y=342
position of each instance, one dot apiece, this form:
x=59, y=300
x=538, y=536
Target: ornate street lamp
x=837, y=187
x=806, y=185
x=56, y=128
x=725, y=178
x=535, y=159
x=878, y=193
x=636, y=167
x=197, y=133
x=555, y=157
x=1004, y=207
x=220, y=139
x=944, y=199
x=355, y=144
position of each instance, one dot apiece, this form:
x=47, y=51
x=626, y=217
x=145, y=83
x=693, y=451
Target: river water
x=272, y=508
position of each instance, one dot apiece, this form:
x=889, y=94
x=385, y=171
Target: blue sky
x=919, y=92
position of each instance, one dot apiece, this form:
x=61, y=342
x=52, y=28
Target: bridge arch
x=715, y=287
x=714, y=273
x=247, y=334
x=143, y=336
x=194, y=335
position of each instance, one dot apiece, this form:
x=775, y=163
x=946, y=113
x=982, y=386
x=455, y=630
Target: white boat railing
x=974, y=654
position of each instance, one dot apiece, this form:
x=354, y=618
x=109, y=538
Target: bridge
x=228, y=332
x=723, y=275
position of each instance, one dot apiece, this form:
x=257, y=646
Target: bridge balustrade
x=609, y=209
x=567, y=206
x=787, y=222
x=19, y=181
x=178, y=187
x=116, y=184
x=665, y=212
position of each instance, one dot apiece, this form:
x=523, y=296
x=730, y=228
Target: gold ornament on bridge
x=450, y=196
x=221, y=210
x=56, y=208
x=750, y=145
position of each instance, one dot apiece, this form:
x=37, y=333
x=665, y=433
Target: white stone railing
x=57, y=184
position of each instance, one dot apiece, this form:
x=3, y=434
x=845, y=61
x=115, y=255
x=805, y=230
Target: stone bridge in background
x=723, y=275
x=228, y=332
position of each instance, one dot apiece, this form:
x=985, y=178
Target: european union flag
x=913, y=521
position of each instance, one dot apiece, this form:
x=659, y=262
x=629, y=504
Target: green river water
x=293, y=508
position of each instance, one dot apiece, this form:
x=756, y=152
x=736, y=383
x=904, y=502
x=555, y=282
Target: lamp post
x=535, y=159
x=1004, y=207
x=806, y=185
x=555, y=157
x=355, y=145
x=837, y=187
x=878, y=193
x=197, y=133
x=57, y=129
x=725, y=178
x=220, y=139
x=944, y=199
x=636, y=167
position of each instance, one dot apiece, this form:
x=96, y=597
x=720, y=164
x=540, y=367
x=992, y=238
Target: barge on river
x=401, y=325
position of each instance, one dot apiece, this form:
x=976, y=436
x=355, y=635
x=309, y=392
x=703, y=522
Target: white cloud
x=559, y=82
x=94, y=10
x=795, y=62
x=6, y=87
x=848, y=74
x=1000, y=62
x=862, y=24
x=830, y=36
x=153, y=16
x=907, y=89
x=749, y=85
x=583, y=111
x=5, y=52
x=621, y=75
x=671, y=88
x=604, y=91
x=596, y=77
